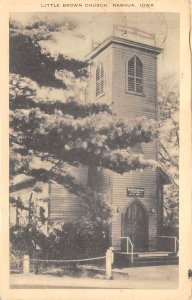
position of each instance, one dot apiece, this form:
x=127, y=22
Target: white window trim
x=127, y=79
x=103, y=78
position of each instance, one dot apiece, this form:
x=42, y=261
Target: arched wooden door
x=135, y=226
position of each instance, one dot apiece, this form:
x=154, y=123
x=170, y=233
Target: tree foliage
x=50, y=120
x=169, y=153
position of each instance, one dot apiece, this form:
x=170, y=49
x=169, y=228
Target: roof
x=20, y=181
x=120, y=41
x=166, y=178
x=20, y=178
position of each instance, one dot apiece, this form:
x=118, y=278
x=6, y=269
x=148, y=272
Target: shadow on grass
x=76, y=271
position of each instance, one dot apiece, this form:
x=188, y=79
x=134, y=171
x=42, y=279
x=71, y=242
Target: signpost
x=135, y=192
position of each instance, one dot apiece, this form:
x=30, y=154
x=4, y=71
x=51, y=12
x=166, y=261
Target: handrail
x=131, y=248
x=128, y=241
x=176, y=240
x=167, y=236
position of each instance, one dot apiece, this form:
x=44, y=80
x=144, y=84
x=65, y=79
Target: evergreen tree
x=51, y=122
x=169, y=151
x=50, y=119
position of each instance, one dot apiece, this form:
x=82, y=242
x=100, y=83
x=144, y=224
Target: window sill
x=135, y=93
x=99, y=96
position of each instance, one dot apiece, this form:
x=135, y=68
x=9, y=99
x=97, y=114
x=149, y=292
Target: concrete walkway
x=160, y=277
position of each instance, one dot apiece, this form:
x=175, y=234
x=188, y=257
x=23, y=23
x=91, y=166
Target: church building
x=123, y=73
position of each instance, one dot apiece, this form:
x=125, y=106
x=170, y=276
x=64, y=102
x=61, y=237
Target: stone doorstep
x=145, y=259
x=147, y=254
x=153, y=254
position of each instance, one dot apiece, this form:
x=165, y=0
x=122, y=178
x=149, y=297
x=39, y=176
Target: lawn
x=159, y=277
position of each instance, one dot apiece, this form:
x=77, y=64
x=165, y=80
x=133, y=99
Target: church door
x=135, y=226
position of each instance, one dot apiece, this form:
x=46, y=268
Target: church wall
x=120, y=201
x=106, y=58
x=128, y=105
x=65, y=206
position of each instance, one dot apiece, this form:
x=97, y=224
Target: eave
x=123, y=42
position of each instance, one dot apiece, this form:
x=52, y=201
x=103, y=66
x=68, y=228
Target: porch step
x=122, y=259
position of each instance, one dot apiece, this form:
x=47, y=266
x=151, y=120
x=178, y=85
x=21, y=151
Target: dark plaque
x=135, y=192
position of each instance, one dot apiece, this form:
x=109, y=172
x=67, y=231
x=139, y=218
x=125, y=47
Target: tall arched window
x=135, y=75
x=100, y=79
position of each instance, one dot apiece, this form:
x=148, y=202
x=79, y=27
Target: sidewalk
x=160, y=277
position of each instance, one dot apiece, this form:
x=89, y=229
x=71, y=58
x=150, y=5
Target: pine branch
x=169, y=158
x=176, y=132
x=28, y=59
x=70, y=106
x=96, y=132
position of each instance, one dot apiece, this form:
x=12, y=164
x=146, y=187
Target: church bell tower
x=124, y=75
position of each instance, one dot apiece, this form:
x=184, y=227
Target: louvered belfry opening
x=135, y=75
x=99, y=79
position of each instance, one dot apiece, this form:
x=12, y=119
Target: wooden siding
x=159, y=205
x=64, y=206
x=150, y=150
x=127, y=104
x=80, y=174
x=106, y=58
x=136, y=179
x=99, y=180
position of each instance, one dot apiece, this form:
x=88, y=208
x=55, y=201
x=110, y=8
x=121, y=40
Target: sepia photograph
x=94, y=150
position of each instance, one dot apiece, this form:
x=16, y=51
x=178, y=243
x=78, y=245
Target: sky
x=93, y=28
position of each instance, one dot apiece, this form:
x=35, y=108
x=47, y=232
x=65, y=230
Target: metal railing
x=176, y=241
x=129, y=243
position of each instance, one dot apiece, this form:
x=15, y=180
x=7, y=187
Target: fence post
x=109, y=260
x=112, y=255
x=26, y=264
x=127, y=245
x=175, y=246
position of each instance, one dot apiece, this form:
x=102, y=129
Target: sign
x=135, y=192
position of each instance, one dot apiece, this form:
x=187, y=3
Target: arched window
x=100, y=80
x=135, y=75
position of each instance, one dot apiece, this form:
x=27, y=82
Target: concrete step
x=145, y=259
x=156, y=261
